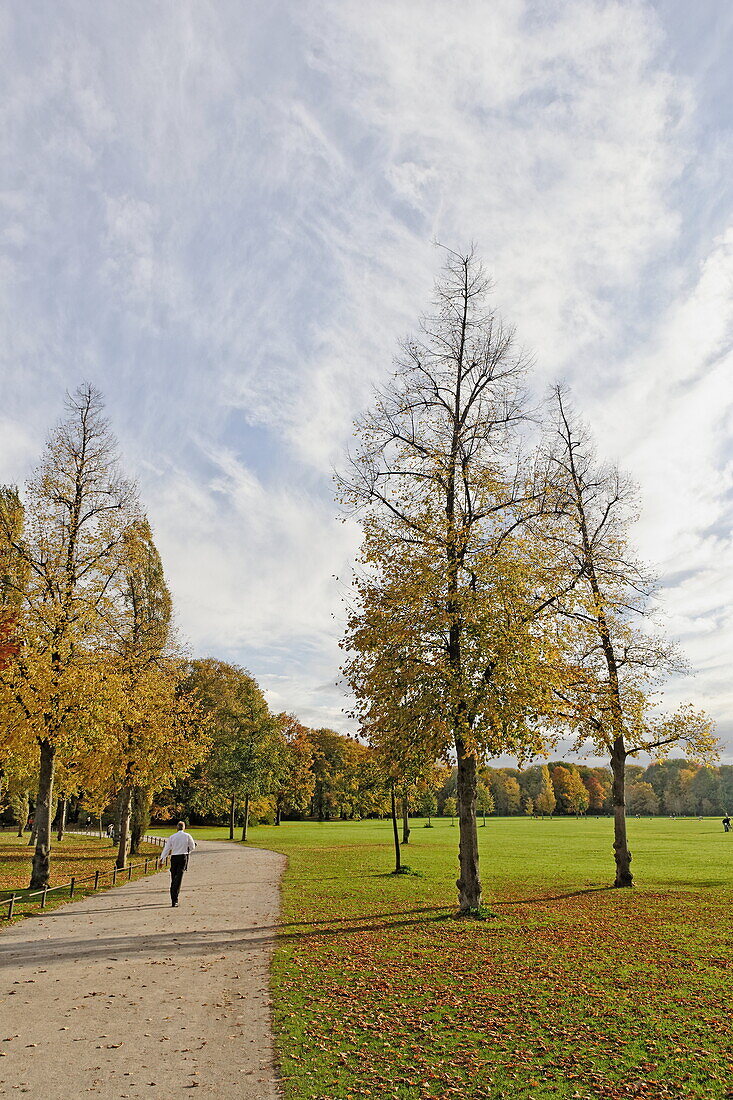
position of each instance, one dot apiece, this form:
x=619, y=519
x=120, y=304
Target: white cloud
x=223, y=216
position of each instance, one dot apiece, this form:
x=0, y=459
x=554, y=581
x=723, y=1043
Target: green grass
x=573, y=990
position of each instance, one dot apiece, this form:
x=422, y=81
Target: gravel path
x=120, y=995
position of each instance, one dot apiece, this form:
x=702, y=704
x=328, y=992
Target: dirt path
x=119, y=995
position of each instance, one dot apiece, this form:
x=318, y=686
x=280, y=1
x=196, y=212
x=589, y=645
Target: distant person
x=111, y=831
x=178, y=846
x=726, y=823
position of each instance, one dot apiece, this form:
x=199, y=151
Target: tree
x=544, y=796
x=154, y=739
x=78, y=506
x=428, y=806
x=449, y=808
x=505, y=790
x=296, y=779
x=705, y=792
x=570, y=791
x=537, y=785
x=445, y=623
x=641, y=799
x=484, y=801
x=247, y=757
x=616, y=662
x=340, y=775
x=598, y=790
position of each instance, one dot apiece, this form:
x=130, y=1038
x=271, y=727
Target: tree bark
x=22, y=813
x=405, y=818
x=246, y=817
x=232, y=817
x=469, y=883
x=395, y=830
x=621, y=851
x=125, y=806
x=61, y=820
x=42, y=820
x=142, y=801
x=278, y=812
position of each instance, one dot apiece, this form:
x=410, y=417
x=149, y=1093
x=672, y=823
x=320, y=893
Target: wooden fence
x=115, y=875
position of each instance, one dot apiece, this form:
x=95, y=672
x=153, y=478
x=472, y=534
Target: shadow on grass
x=556, y=897
x=446, y=909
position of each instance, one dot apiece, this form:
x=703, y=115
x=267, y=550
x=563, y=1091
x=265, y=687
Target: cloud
x=223, y=215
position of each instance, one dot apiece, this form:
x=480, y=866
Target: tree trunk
x=232, y=817
x=142, y=801
x=61, y=820
x=469, y=883
x=22, y=813
x=278, y=812
x=246, y=817
x=100, y=826
x=620, y=843
x=405, y=818
x=395, y=830
x=125, y=807
x=42, y=821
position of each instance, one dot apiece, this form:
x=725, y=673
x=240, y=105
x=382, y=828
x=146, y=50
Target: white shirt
x=179, y=844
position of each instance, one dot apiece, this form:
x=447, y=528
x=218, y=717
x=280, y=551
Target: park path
x=120, y=995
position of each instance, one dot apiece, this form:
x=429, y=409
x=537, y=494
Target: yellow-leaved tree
x=450, y=645
x=158, y=735
x=64, y=561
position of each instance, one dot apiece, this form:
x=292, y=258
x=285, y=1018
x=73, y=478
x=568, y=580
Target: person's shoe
x=174, y=905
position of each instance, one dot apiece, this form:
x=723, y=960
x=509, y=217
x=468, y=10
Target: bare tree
x=616, y=660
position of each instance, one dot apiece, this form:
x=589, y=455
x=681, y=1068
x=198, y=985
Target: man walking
x=178, y=846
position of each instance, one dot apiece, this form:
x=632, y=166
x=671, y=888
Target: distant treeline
x=329, y=776
x=670, y=787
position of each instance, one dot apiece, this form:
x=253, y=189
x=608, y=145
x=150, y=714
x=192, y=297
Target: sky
x=224, y=215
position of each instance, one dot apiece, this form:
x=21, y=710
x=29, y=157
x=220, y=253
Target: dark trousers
x=178, y=866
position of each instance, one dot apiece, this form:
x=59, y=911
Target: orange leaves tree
x=447, y=648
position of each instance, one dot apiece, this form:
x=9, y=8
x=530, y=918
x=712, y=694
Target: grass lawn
x=75, y=856
x=573, y=990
